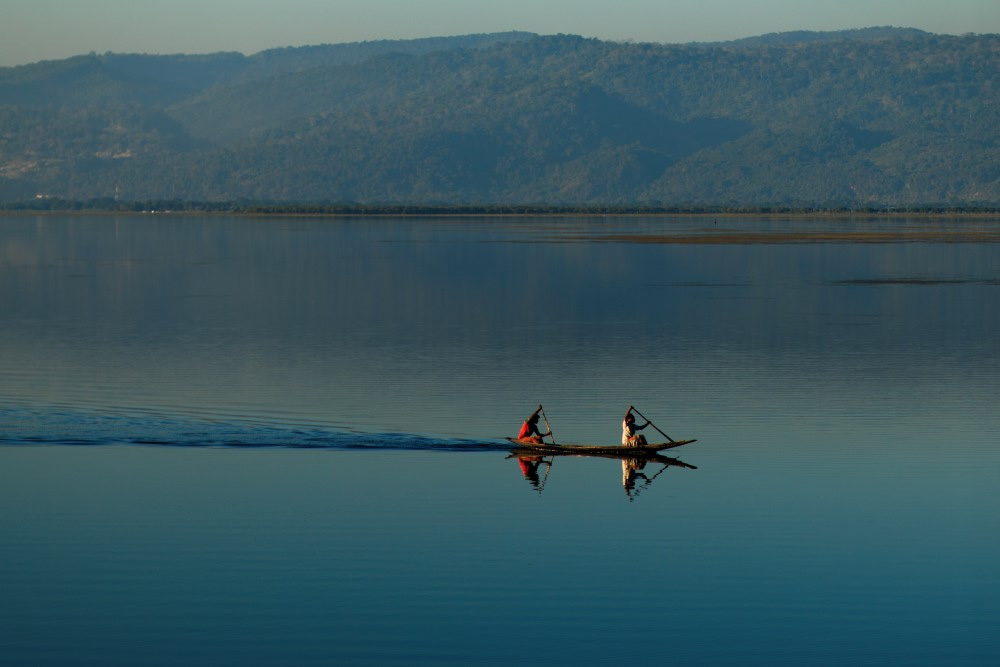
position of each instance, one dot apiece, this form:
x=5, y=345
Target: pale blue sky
x=32, y=30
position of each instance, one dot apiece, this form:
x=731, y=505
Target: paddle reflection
x=637, y=472
x=529, y=468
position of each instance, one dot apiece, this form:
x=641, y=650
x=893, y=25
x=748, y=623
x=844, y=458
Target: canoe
x=524, y=452
x=597, y=450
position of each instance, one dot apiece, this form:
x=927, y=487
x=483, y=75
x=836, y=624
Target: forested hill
x=888, y=117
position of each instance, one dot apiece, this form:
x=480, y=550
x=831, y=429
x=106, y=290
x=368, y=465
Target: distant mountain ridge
x=892, y=116
x=177, y=76
x=811, y=36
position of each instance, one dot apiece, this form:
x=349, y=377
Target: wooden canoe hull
x=598, y=450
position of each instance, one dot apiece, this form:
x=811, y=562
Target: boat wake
x=27, y=427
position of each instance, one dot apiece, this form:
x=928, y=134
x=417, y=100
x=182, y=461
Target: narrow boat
x=547, y=448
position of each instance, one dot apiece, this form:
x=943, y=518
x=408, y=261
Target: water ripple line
x=20, y=427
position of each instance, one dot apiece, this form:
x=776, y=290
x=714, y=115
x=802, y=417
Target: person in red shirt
x=529, y=430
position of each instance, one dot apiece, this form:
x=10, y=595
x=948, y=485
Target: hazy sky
x=32, y=30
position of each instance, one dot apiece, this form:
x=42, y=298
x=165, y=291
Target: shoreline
x=505, y=212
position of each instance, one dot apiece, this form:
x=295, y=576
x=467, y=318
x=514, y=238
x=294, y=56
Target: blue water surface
x=266, y=441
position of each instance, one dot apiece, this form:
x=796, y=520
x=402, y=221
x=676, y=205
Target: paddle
x=632, y=407
x=551, y=460
x=548, y=469
x=549, y=427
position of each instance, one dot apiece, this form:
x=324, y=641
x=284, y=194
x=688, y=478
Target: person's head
x=533, y=419
x=629, y=418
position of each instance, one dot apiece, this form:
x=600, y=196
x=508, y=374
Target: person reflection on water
x=529, y=468
x=529, y=430
x=631, y=469
x=629, y=436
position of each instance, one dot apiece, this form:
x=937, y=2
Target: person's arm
x=634, y=425
x=535, y=431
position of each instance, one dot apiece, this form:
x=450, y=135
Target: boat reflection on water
x=635, y=468
x=638, y=472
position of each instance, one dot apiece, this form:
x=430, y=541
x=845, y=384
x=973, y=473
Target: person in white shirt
x=629, y=436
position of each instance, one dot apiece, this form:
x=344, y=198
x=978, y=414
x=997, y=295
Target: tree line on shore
x=111, y=206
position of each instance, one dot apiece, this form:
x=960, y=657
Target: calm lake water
x=272, y=441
